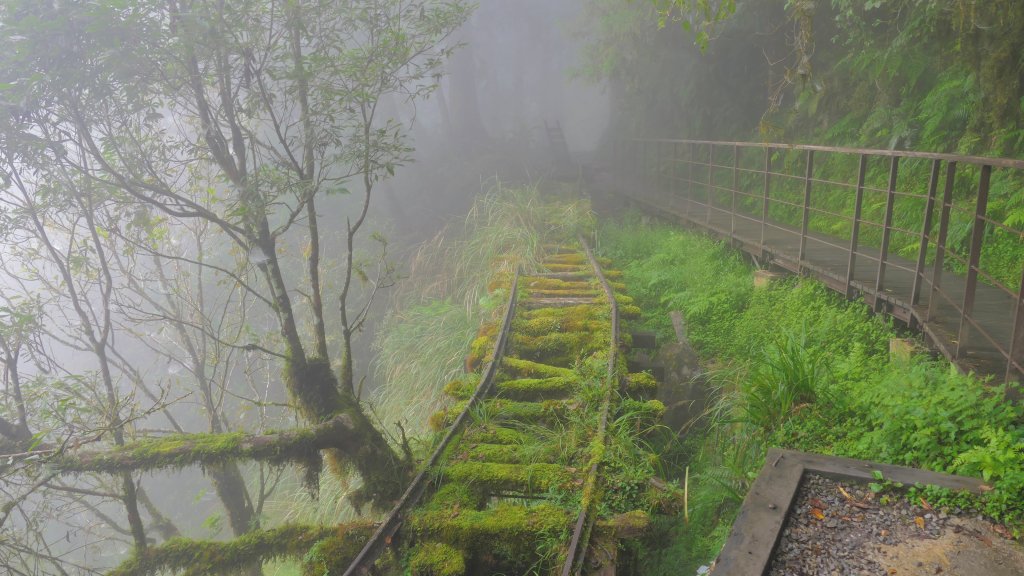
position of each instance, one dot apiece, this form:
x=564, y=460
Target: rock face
x=683, y=390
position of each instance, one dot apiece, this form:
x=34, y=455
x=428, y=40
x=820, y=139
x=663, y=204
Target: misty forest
x=441, y=287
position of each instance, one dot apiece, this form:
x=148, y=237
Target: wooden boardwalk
x=827, y=258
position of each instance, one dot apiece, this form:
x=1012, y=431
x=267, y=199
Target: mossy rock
x=437, y=559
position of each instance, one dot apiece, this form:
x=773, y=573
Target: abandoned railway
x=515, y=483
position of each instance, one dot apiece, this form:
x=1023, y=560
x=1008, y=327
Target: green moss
x=300, y=445
x=333, y=554
x=555, y=267
x=509, y=453
x=482, y=347
x=536, y=388
x=579, y=315
x=456, y=495
x=464, y=387
x=439, y=420
x=573, y=293
x=437, y=559
x=650, y=410
x=503, y=478
x=204, y=557
x=576, y=258
x=504, y=410
x=630, y=312
x=519, y=368
x=494, y=435
x=562, y=348
x=509, y=524
x=538, y=283
x=641, y=384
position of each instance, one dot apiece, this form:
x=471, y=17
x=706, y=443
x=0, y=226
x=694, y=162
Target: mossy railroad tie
x=509, y=491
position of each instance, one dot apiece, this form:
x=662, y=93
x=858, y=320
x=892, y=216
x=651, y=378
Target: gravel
x=829, y=533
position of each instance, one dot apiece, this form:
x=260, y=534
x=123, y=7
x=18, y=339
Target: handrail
x=995, y=162
x=584, y=522
x=691, y=180
x=377, y=543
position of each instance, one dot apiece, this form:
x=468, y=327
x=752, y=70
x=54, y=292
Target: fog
x=138, y=299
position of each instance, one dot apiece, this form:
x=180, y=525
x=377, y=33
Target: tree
x=233, y=121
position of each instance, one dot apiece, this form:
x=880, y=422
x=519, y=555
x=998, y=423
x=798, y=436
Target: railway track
x=515, y=484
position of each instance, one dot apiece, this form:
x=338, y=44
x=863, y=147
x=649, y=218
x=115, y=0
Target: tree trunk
x=321, y=398
x=230, y=487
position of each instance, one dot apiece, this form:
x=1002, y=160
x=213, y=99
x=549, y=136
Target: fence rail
x=864, y=221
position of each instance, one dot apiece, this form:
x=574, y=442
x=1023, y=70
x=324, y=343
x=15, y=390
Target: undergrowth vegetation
x=793, y=365
x=437, y=309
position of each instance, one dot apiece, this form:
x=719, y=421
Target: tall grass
x=796, y=366
x=455, y=281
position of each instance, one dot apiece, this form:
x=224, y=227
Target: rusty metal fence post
x=940, y=244
x=805, y=219
x=708, y=198
x=735, y=186
x=858, y=203
x=883, y=252
x=764, y=205
x=1017, y=335
x=926, y=230
x=977, y=238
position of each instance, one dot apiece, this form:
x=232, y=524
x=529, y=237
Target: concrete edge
x=758, y=526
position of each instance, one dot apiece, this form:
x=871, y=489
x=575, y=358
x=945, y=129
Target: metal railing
x=864, y=222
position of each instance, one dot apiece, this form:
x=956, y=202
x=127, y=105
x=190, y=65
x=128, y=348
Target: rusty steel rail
x=381, y=539
x=735, y=190
x=585, y=521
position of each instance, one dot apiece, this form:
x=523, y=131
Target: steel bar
x=890, y=201
x=926, y=230
x=976, y=160
x=767, y=184
x=806, y=220
x=1016, y=351
x=940, y=244
x=735, y=185
x=977, y=238
x=711, y=179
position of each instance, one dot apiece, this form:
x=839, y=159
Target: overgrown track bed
x=515, y=484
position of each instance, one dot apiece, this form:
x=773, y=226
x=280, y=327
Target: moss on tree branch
x=180, y=450
x=205, y=557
